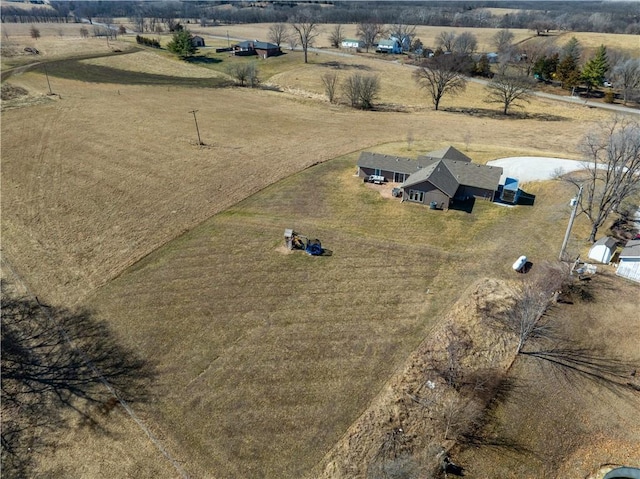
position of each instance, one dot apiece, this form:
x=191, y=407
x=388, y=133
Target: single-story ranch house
x=254, y=47
x=439, y=177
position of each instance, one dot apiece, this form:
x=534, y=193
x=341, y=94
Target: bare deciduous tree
x=244, y=73
x=465, y=43
x=369, y=31
x=445, y=41
x=330, y=82
x=533, y=50
x=336, y=35
x=404, y=32
x=306, y=28
x=361, y=90
x=626, y=77
x=508, y=89
x=84, y=32
x=612, y=169
x=440, y=75
x=503, y=40
x=278, y=33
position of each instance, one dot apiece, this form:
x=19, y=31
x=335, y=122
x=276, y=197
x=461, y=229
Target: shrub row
x=149, y=42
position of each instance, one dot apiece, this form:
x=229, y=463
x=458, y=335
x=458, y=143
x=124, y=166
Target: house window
x=415, y=195
x=377, y=172
x=398, y=177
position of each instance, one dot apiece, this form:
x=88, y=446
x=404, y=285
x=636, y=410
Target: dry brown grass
x=266, y=358
x=80, y=145
x=151, y=62
x=552, y=425
x=51, y=44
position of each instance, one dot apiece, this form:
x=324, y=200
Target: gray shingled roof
x=608, y=241
x=473, y=174
x=462, y=173
x=631, y=249
x=445, y=174
x=438, y=175
x=396, y=164
x=448, y=153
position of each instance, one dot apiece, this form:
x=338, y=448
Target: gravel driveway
x=534, y=168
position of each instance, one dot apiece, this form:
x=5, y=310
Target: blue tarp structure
x=314, y=248
x=510, y=191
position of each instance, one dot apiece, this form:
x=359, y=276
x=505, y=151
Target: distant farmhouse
x=255, y=47
x=437, y=178
x=391, y=45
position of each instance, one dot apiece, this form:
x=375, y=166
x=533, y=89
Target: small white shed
x=629, y=265
x=603, y=250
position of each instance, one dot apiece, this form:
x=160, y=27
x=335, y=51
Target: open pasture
x=268, y=356
x=57, y=40
x=265, y=357
x=94, y=181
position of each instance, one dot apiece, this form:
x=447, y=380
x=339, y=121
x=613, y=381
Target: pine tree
x=568, y=72
x=594, y=71
x=181, y=44
x=572, y=49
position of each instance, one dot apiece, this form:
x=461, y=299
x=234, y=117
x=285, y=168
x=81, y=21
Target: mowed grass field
x=268, y=357
x=265, y=358
x=97, y=179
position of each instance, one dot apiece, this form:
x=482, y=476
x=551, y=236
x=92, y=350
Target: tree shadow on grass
x=344, y=66
x=203, y=60
x=498, y=115
x=574, y=364
x=56, y=362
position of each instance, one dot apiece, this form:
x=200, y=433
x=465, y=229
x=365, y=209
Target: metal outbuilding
x=603, y=250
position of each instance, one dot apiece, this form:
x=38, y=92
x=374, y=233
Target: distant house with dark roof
x=255, y=47
x=434, y=177
x=629, y=265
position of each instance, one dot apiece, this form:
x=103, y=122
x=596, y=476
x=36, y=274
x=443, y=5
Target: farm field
x=265, y=358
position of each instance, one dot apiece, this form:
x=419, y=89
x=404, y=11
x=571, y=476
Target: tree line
x=607, y=17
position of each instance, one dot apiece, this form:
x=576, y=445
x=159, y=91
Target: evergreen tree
x=568, y=72
x=594, y=71
x=181, y=44
x=572, y=49
x=545, y=67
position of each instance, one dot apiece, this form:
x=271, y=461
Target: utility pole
x=570, y=225
x=197, y=129
x=46, y=74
